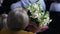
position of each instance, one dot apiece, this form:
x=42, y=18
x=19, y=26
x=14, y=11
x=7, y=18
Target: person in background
x=24, y=3
x=3, y=21
x=55, y=16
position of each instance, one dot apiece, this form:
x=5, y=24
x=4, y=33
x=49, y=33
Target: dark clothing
x=1, y=24
x=54, y=26
x=6, y=6
x=48, y=3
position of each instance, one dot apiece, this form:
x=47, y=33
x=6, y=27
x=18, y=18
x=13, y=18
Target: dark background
x=54, y=26
x=6, y=6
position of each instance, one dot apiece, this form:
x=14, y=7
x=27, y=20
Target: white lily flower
x=41, y=15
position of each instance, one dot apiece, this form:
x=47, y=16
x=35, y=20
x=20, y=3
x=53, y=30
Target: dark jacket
x=6, y=6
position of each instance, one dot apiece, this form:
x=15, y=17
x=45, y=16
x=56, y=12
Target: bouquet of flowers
x=37, y=15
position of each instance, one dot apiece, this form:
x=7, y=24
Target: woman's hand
x=37, y=29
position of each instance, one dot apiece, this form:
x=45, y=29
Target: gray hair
x=17, y=19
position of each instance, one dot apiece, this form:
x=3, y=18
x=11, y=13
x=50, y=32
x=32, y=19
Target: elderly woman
x=17, y=21
x=25, y=3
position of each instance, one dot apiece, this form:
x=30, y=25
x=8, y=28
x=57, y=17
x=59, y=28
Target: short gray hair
x=17, y=19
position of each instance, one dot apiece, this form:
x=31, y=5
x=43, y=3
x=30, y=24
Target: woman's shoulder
x=23, y=32
x=4, y=31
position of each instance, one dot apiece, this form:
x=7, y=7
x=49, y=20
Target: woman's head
x=17, y=19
